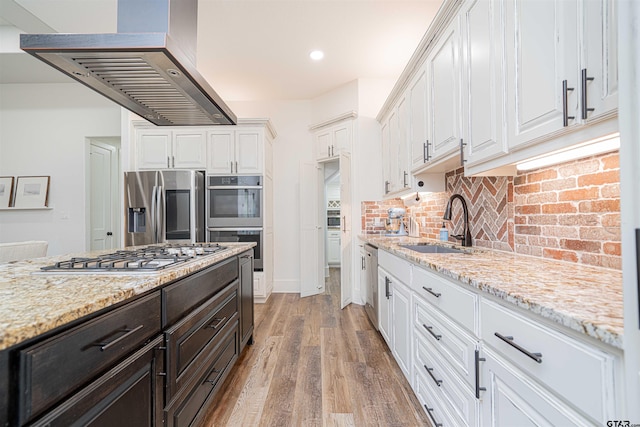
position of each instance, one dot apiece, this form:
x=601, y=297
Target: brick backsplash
x=569, y=212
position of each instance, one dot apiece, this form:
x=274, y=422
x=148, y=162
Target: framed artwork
x=31, y=192
x=6, y=191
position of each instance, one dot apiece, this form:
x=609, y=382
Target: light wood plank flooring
x=313, y=364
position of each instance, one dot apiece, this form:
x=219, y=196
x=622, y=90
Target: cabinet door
x=189, y=150
x=600, y=58
x=392, y=155
x=512, y=399
x=246, y=299
x=385, y=158
x=248, y=152
x=402, y=148
x=323, y=144
x=418, y=120
x=221, y=152
x=483, y=80
x=154, y=149
x=341, y=138
x=333, y=249
x=443, y=67
x=401, y=302
x=542, y=52
x=384, y=306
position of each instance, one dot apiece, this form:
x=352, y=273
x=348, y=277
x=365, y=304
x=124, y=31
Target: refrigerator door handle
x=159, y=223
x=152, y=214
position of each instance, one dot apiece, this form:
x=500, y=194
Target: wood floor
x=313, y=364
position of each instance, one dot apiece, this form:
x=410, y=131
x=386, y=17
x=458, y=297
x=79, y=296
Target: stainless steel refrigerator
x=164, y=206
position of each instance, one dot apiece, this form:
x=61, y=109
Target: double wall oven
x=235, y=211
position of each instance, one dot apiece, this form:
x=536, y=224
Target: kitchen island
x=492, y=330
x=177, y=329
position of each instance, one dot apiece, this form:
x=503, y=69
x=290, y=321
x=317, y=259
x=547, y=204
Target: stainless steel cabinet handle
x=363, y=263
x=565, y=108
x=583, y=95
x=425, y=152
x=173, y=161
x=433, y=377
x=406, y=175
x=387, y=290
x=386, y=187
x=168, y=162
x=430, y=330
x=509, y=340
x=217, y=323
x=433, y=420
x=430, y=290
x=236, y=166
x=462, y=145
x=479, y=359
x=107, y=345
x=231, y=164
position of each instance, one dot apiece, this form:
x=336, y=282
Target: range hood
x=148, y=66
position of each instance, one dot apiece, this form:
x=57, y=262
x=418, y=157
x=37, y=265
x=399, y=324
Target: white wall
x=292, y=146
x=43, y=131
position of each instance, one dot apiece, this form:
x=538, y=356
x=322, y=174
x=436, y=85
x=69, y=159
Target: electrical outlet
x=424, y=221
x=377, y=222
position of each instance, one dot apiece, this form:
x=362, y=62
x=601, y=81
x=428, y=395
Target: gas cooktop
x=147, y=259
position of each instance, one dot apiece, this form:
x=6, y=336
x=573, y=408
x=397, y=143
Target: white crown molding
x=345, y=116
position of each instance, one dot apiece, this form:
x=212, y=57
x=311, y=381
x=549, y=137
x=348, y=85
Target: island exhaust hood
x=147, y=67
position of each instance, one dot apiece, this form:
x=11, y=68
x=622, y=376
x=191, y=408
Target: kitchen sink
x=427, y=248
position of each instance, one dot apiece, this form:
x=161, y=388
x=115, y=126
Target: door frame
x=112, y=144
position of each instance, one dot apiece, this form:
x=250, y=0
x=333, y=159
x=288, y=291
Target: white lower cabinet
x=474, y=360
x=333, y=247
x=513, y=399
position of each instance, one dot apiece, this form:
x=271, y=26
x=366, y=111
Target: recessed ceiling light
x=316, y=55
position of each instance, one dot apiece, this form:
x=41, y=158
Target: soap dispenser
x=444, y=233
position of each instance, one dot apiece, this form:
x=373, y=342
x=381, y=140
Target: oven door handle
x=234, y=229
x=235, y=187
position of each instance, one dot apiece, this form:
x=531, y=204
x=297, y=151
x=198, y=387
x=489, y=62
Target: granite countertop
x=584, y=298
x=31, y=304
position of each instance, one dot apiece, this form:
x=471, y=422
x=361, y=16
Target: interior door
x=311, y=231
x=103, y=172
x=346, y=246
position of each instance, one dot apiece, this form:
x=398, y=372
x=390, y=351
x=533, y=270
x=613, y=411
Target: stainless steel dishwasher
x=371, y=271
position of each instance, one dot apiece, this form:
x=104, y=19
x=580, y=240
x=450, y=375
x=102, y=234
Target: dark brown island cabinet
x=156, y=360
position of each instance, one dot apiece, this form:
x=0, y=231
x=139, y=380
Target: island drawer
x=189, y=341
x=58, y=366
x=580, y=373
x=180, y=298
x=185, y=407
x=456, y=302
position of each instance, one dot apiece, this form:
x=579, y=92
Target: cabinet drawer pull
x=433, y=420
x=387, y=289
x=430, y=329
x=430, y=290
x=565, y=108
x=128, y=332
x=585, y=108
x=479, y=359
x=433, y=377
x=218, y=322
x=509, y=340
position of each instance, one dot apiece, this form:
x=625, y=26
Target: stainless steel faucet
x=465, y=237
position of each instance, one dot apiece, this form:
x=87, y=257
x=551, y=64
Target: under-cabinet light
x=585, y=149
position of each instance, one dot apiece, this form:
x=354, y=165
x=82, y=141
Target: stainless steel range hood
x=148, y=66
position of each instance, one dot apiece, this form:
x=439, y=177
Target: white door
x=103, y=195
x=221, y=152
x=189, y=150
x=483, y=81
x=541, y=43
x=311, y=232
x=248, y=152
x=346, y=245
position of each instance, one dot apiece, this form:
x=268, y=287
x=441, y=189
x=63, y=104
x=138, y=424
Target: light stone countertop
x=584, y=298
x=31, y=304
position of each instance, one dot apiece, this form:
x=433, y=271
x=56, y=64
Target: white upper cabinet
x=482, y=80
x=542, y=68
x=396, y=148
x=419, y=140
x=331, y=140
x=599, y=65
x=167, y=149
x=443, y=72
x=235, y=152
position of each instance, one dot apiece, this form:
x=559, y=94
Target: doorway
x=103, y=196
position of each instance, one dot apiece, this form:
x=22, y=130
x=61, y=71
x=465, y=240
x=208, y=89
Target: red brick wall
x=569, y=212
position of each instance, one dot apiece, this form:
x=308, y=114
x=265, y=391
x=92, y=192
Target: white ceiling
x=254, y=49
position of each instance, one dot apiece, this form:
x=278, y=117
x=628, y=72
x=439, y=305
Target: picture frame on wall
x=6, y=191
x=32, y=192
